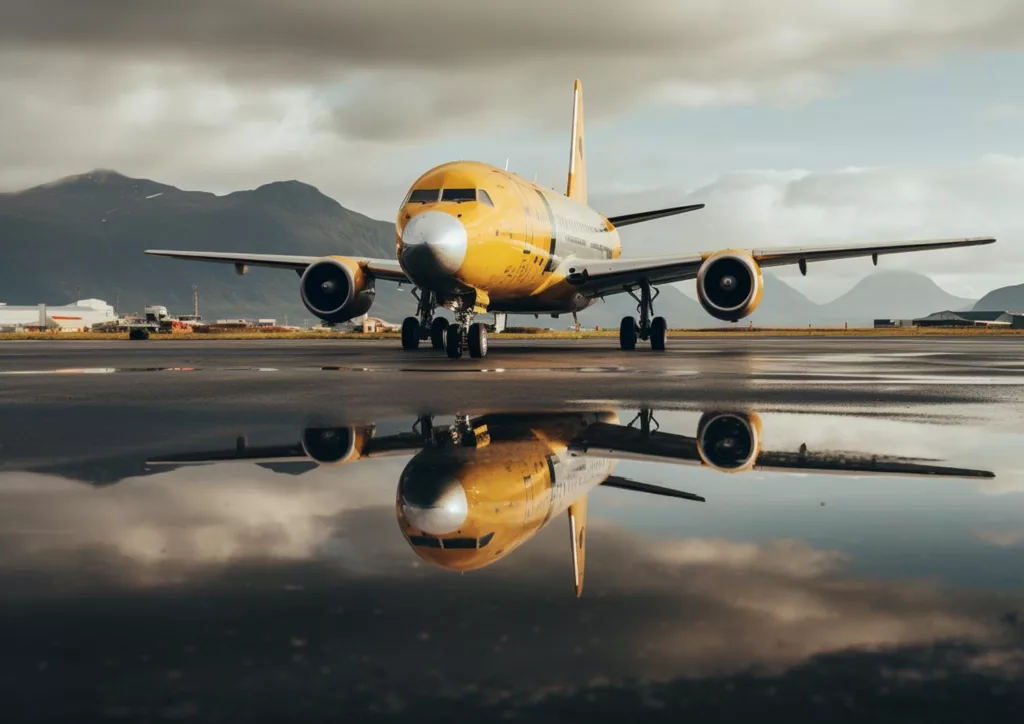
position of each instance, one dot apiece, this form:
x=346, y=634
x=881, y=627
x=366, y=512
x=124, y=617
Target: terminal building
x=949, y=318
x=77, y=317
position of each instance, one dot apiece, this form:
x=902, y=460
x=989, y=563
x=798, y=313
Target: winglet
x=578, y=532
x=577, y=186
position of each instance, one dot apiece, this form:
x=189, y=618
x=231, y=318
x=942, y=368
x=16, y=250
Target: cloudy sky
x=797, y=121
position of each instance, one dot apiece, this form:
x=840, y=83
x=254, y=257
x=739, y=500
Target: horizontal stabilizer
x=615, y=481
x=641, y=216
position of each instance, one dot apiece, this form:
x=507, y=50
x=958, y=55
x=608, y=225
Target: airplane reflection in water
x=477, y=489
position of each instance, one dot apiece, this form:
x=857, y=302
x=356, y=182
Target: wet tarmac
x=790, y=529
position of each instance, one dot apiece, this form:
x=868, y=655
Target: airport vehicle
x=475, y=238
x=475, y=490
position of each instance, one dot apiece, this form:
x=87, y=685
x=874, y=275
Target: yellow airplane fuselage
x=518, y=239
x=504, y=490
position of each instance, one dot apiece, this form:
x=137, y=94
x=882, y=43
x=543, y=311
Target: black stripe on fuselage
x=551, y=223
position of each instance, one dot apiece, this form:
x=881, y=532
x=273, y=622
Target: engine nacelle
x=729, y=285
x=334, y=445
x=729, y=442
x=336, y=289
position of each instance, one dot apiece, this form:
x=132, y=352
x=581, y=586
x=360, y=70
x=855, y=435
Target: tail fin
x=577, y=187
x=578, y=531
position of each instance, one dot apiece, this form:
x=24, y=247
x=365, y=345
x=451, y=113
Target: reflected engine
x=729, y=285
x=327, y=445
x=336, y=289
x=729, y=441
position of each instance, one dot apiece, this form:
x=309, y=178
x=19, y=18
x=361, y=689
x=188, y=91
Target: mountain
x=892, y=295
x=83, y=237
x=1004, y=299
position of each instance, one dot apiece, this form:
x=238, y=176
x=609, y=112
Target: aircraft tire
x=438, y=331
x=477, y=340
x=410, y=333
x=453, y=342
x=659, y=328
x=138, y=333
x=627, y=334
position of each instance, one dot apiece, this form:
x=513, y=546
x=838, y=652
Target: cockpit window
x=458, y=195
x=423, y=196
x=484, y=197
x=424, y=541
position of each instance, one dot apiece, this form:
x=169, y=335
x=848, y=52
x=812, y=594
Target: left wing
x=388, y=269
x=608, y=276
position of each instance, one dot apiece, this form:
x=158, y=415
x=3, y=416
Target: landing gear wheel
x=138, y=333
x=410, y=333
x=453, y=342
x=627, y=334
x=438, y=330
x=477, y=340
x=658, y=329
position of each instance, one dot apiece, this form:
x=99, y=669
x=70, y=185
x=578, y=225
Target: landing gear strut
x=424, y=325
x=465, y=334
x=647, y=329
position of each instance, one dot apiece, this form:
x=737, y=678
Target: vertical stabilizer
x=578, y=531
x=577, y=187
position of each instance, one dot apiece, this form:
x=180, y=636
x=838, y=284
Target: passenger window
x=423, y=196
x=458, y=195
x=485, y=198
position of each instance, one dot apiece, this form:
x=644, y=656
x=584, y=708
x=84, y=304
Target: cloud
x=1001, y=538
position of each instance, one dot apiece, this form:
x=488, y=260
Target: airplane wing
x=642, y=216
x=609, y=276
x=619, y=442
x=388, y=269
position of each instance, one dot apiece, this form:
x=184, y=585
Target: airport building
x=949, y=318
x=77, y=317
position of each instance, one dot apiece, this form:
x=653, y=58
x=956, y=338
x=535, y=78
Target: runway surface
x=304, y=531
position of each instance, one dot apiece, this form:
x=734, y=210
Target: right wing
x=388, y=269
x=597, y=278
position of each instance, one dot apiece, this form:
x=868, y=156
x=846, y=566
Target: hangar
x=79, y=316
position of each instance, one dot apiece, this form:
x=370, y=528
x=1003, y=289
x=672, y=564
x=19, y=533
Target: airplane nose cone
x=435, y=505
x=434, y=240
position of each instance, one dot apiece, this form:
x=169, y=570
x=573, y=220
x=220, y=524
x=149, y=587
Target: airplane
x=475, y=238
x=479, y=488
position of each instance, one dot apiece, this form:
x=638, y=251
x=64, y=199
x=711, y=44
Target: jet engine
x=729, y=442
x=729, y=285
x=334, y=445
x=336, y=289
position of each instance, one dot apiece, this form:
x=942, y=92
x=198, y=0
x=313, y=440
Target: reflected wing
x=241, y=453
x=388, y=269
x=852, y=464
x=610, y=276
x=364, y=447
x=603, y=439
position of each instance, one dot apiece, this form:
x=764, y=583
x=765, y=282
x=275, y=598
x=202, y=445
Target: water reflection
x=478, y=488
x=208, y=577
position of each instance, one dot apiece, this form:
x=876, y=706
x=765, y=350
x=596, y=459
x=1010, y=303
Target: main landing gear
x=453, y=338
x=647, y=329
x=424, y=326
x=465, y=334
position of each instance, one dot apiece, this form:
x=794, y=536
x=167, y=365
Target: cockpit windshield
x=423, y=541
x=423, y=196
x=458, y=195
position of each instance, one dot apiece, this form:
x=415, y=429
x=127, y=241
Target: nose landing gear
x=654, y=329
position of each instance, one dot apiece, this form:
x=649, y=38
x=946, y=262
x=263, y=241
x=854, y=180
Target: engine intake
x=729, y=286
x=330, y=445
x=728, y=441
x=336, y=289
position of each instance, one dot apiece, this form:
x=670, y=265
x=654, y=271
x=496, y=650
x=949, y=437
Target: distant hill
x=1004, y=299
x=892, y=295
x=83, y=237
